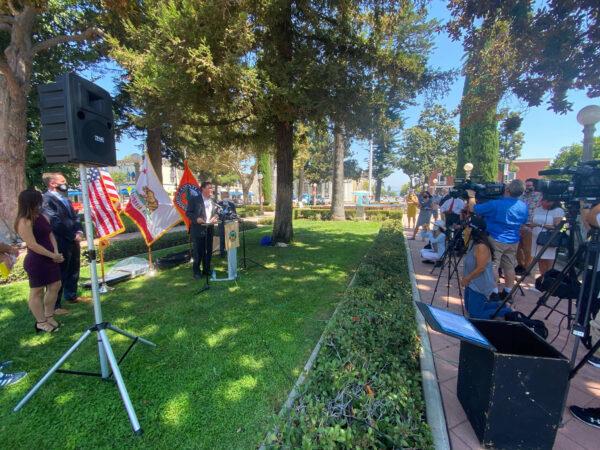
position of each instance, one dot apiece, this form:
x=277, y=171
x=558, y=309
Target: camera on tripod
x=483, y=191
x=583, y=185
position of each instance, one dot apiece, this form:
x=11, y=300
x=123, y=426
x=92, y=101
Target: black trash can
x=514, y=396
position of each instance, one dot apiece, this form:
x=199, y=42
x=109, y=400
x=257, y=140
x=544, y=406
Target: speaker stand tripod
x=244, y=258
x=105, y=353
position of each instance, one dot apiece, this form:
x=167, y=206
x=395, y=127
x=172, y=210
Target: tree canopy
x=430, y=145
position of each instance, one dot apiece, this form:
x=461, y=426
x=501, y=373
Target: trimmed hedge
x=253, y=210
x=325, y=214
x=364, y=390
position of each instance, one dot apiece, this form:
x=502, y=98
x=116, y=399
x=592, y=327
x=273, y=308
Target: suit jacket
x=195, y=209
x=64, y=221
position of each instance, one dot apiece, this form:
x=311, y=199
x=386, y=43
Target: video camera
x=483, y=191
x=583, y=185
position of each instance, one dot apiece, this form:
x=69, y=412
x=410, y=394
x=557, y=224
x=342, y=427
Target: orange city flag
x=188, y=185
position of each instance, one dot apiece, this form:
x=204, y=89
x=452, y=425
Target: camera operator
x=478, y=280
x=451, y=209
x=591, y=416
x=504, y=217
x=425, y=212
x=545, y=217
x=437, y=241
x=532, y=198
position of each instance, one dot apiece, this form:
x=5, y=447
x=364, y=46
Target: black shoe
x=589, y=416
x=197, y=276
x=520, y=270
x=495, y=297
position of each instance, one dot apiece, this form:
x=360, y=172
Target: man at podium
x=203, y=213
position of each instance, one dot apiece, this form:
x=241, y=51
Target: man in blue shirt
x=504, y=218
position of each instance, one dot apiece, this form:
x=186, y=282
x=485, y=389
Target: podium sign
x=232, y=235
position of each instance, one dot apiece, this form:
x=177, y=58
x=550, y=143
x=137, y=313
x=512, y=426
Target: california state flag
x=150, y=206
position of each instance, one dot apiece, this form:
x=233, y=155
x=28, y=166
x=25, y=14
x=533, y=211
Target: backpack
x=535, y=325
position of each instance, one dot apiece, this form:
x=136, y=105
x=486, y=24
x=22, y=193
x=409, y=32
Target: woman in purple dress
x=42, y=259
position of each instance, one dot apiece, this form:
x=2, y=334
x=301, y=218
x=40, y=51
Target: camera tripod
x=589, y=252
x=105, y=352
x=450, y=260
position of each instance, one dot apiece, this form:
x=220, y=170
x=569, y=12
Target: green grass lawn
x=225, y=362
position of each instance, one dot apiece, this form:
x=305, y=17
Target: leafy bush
x=130, y=226
x=266, y=221
x=364, y=390
x=374, y=214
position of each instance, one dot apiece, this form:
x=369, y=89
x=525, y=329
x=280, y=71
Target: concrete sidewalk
x=585, y=387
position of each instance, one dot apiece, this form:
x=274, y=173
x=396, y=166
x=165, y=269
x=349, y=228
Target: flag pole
x=151, y=270
x=103, y=243
x=102, y=262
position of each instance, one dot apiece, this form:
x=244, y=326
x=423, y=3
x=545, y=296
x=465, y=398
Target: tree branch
x=11, y=7
x=89, y=34
x=5, y=18
x=212, y=123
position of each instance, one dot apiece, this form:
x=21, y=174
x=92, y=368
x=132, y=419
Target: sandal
x=51, y=321
x=46, y=327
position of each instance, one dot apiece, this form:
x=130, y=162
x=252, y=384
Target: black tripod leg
x=532, y=264
x=437, y=283
x=587, y=356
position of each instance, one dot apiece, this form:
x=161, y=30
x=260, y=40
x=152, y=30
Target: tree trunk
x=300, y=182
x=13, y=148
x=15, y=84
x=153, y=140
x=284, y=141
x=378, y=186
x=337, y=194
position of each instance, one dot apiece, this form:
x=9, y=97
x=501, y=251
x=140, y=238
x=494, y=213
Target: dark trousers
x=69, y=272
x=202, y=252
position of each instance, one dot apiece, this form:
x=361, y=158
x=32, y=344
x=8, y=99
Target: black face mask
x=63, y=188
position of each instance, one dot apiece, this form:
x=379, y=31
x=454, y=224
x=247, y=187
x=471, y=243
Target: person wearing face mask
x=437, y=241
x=68, y=231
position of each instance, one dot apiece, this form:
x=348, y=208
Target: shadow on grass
x=226, y=358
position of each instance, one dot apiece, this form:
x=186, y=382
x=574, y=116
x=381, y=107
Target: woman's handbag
x=559, y=240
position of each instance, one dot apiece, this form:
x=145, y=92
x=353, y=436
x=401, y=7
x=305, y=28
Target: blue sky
x=545, y=132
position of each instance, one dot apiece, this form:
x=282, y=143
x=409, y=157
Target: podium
x=232, y=242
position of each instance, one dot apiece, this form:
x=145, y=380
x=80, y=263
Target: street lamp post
x=468, y=167
x=260, y=199
x=314, y=194
x=588, y=117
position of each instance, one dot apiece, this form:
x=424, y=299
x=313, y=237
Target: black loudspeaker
x=77, y=122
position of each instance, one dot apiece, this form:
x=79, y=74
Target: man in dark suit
x=67, y=229
x=203, y=214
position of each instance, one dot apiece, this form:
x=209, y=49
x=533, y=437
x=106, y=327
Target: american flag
x=104, y=213
x=111, y=189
